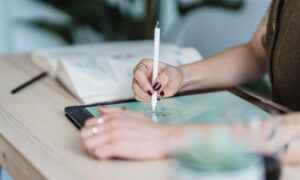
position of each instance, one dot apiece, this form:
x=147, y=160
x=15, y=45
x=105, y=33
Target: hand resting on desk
x=125, y=134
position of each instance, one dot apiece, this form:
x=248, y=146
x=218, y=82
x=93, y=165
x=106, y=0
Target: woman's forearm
x=229, y=68
x=226, y=69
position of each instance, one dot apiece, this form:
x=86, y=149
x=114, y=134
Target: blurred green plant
x=215, y=152
x=112, y=20
x=226, y=4
x=115, y=19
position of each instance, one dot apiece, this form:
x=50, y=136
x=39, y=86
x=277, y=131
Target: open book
x=103, y=72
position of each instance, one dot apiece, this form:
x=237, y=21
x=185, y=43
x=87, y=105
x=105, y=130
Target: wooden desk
x=38, y=142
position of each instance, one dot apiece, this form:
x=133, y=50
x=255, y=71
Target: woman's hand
x=125, y=134
x=168, y=82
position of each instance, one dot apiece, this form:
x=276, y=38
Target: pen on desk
x=155, y=63
x=34, y=79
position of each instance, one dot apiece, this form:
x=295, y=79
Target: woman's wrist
x=177, y=138
x=186, y=76
x=191, y=78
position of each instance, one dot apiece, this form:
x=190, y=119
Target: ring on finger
x=95, y=130
x=142, y=65
x=100, y=120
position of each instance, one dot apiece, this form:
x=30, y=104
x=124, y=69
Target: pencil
x=24, y=85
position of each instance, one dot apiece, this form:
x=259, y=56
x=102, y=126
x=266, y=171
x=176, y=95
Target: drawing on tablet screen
x=159, y=115
x=198, y=108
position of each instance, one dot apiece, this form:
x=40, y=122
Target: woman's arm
x=229, y=68
x=131, y=135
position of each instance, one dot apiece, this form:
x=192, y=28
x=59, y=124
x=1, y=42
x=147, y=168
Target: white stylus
x=155, y=63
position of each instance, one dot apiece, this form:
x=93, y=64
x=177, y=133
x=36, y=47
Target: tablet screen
x=196, y=108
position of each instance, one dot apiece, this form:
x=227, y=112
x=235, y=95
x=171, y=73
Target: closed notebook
x=103, y=72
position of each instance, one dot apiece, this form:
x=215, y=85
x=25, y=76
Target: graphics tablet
x=189, y=107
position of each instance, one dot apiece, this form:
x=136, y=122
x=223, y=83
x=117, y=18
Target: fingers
x=108, y=132
x=87, y=130
x=91, y=136
x=141, y=79
x=107, y=151
x=120, y=148
x=105, y=122
x=121, y=142
x=91, y=142
x=90, y=123
x=139, y=94
x=130, y=149
x=145, y=65
x=103, y=110
x=163, y=80
x=127, y=134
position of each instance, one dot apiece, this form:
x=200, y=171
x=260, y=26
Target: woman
x=273, y=49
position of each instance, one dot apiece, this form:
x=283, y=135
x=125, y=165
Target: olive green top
x=283, y=52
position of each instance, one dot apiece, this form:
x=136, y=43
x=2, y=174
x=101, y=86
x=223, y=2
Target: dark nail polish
x=156, y=86
x=150, y=93
x=158, y=98
x=162, y=94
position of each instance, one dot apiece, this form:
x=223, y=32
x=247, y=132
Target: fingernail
x=162, y=94
x=150, y=93
x=156, y=86
x=158, y=98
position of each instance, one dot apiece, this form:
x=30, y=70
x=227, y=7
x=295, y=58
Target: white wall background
x=211, y=30
x=3, y=27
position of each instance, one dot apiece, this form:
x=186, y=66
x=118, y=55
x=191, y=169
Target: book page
x=108, y=74
x=117, y=68
x=107, y=69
